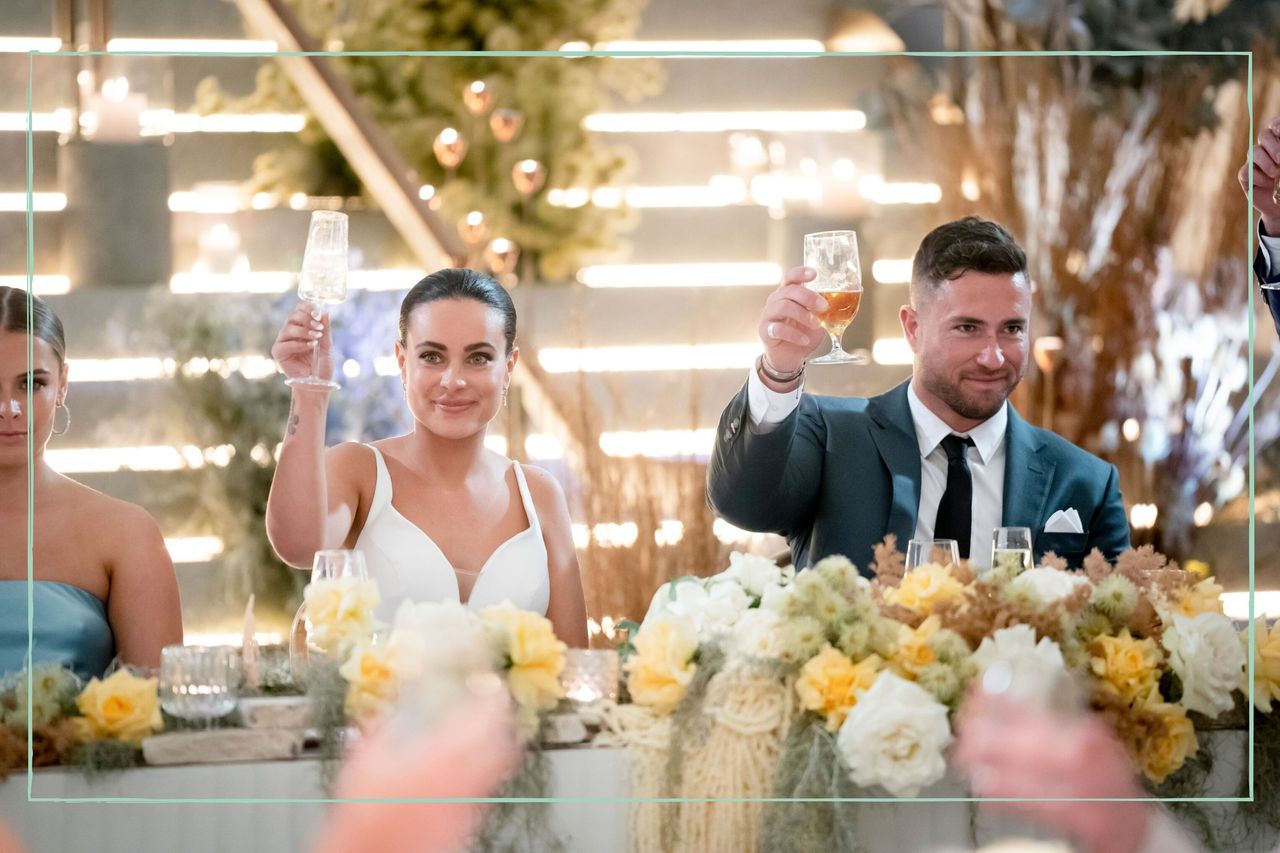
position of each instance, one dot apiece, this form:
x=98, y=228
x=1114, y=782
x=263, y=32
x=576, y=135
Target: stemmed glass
x=944, y=552
x=834, y=255
x=199, y=682
x=327, y=565
x=323, y=280
x=1011, y=545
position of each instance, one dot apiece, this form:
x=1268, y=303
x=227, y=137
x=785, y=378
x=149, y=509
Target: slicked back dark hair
x=45, y=324
x=460, y=283
x=965, y=245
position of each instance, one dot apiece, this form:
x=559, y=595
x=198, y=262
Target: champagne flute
x=834, y=255
x=323, y=280
x=944, y=552
x=1012, y=546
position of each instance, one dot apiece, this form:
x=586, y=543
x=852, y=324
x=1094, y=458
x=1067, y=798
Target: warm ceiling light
x=776, y=121
x=681, y=275
x=178, y=45
x=635, y=359
x=702, y=46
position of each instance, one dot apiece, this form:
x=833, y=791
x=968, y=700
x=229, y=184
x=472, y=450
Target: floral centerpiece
x=98, y=726
x=873, y=670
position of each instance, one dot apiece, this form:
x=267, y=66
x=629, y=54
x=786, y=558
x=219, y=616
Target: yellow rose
x=372, y=684
x=924, y=587
x=659, y=671
x=121, y=707
x=913, y=651
x=1199, y=568
x=1126, y=665
x=1266, y=664
x=340, y=613
x=1167, y=745
x=1201, y=598
x=534, y=655
x=829, y=684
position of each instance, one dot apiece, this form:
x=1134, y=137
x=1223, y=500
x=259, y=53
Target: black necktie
x=955, y=510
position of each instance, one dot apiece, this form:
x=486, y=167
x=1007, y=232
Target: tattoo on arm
x=293, y=422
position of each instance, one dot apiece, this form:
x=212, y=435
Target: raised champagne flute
x=834, y=255
x=323, y=280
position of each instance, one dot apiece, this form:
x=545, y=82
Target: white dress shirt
x=986, y=467
x=767, y=408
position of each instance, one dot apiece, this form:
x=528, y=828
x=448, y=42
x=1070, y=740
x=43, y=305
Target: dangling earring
x=64, y=407
x=504, y=395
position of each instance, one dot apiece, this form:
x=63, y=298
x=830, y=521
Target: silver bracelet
x=762, y=364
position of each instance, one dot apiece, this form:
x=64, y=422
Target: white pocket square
x=1064, y=521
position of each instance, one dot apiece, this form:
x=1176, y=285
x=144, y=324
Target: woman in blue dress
x=104, y=583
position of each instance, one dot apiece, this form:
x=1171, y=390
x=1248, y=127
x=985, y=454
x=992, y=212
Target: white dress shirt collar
x=931, y=429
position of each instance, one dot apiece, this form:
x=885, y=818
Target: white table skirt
x=599, y=774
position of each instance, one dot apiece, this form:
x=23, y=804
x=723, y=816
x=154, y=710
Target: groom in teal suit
x=943, y=455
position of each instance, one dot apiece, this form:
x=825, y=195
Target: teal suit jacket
x=841, y=472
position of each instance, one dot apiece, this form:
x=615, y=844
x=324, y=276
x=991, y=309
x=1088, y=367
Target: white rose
x=757, y=636
x=1047, y=585
x=775, y=596
x=1033, y=670
x=752, y=572
x=1206, y=654
x=713, y=608
x=894, y=737
x=440, y=636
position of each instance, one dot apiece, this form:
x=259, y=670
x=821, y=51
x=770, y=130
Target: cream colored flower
x=1125, y=665
x=1266, y=664
x=914, y=652
x=894, y=737
x=1204, y=597
x=340, y=613
x=924, y=587
x=1205, y=653
x=1034, y=666
x=372, y=685
x=830, y=683
x=659, y=672
x=121, y=707
x=533, y=655
x=1163, y=751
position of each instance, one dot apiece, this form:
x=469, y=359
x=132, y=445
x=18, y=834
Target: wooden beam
x=366, y=147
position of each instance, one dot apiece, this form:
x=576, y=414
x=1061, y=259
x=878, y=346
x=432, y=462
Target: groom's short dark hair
x=965, y=245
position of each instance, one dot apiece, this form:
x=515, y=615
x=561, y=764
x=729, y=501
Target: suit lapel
x=1027, y=473
x=893, y=432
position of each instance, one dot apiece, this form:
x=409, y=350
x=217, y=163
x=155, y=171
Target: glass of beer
x=834, y=255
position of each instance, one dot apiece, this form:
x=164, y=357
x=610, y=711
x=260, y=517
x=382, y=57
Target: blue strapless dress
x=70, y=626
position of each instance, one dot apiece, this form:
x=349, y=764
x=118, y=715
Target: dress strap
x=381, y=486
x=527, y=499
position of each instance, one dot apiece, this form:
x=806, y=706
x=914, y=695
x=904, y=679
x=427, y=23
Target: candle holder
x=590, y=676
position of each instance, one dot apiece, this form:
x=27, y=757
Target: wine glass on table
x=942, y=552
x=1011, y=548
x=327, y=565
x=323, y=280
x=834, y=256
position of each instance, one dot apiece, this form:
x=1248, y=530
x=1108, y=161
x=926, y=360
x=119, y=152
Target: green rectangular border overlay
x=635, y=54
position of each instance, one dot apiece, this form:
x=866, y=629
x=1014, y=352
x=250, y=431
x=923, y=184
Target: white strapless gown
x=407, y=565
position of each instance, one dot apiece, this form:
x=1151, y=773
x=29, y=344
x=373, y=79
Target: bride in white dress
x=437, y=515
